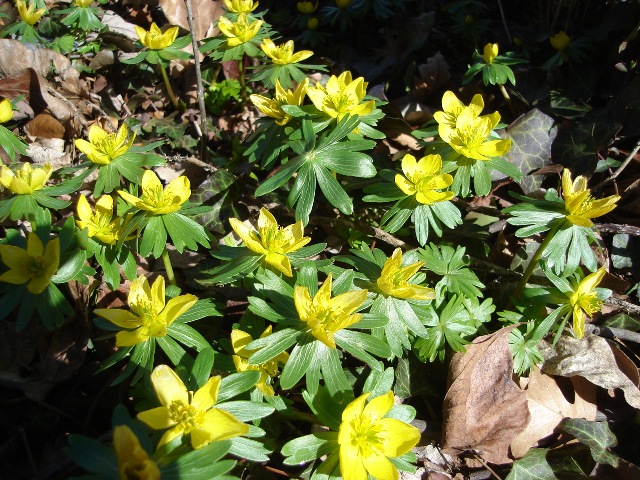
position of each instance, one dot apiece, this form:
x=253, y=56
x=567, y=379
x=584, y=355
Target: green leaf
x=307, y=448
x=246, y=411
x=92, y=455
x=299, y=361
x=596, y=435
x=184, y=232
x=188, y=336
x=177, y=355
x=202, y=367
x=281, y=177
x=237, y=383
x=70, y=268
x=249, y=449
x=272, y=345
x=332, y=190
x=154, y=238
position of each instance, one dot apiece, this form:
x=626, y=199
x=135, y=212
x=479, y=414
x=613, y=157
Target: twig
x=70, y=104
x=479, y=458
x=203, y=113
x=611, y=332
x=619, y=170
x=504, y=22
x=362, y=227
x=617, y=228
x=626, y=306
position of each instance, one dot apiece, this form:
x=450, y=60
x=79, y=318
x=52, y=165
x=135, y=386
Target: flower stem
x=506, y=96
x=171, y=277
x=243, y=85
x=167, y=84
x=534, y=260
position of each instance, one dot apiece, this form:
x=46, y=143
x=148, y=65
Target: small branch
x=362, y=227
x=617, y=228
x=611, y=332
x=619, y=170
x=203, y=112
x=504, y=22
x=621, y=304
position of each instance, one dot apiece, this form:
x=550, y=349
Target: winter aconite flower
x=158, y=200
x=470, y=135
x=148, y=316
x=452, y=107
x=188, y=413
x=325, y=315
x=271, y=240
x=273, y=107
x=268, y=370
x=307, y=8
x=6, y=111
x=34, y=266
x=240, y=31
x=29, y=14
x=490, y=53
x=133, y=460
x=423, y=179
x=584, y=300
x=99, y=223
x=341, y=96
x=560, y=41
x=154, y=39
x=241, y=6
x=580, y=205
x=103, y=147
x=368, y=440
x=283, y=54
x=394, y=279
x=26, y=179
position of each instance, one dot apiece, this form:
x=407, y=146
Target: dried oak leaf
x=548, y=405
x=484, y=409
x=595, y=359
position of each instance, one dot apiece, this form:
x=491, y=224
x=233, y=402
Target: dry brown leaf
x=433, y=75
x=548, y=406
x=44, y=126
x=484, y=409
x=205, y=13
x=595, y=359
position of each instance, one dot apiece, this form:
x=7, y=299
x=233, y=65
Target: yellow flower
x=469, y=137
x=560, y=40
x=154, y=39
x=307, y=8
x=271, y=240
x=394, y=279
x=312, y=23
x=268, y=370
x=157, y=200
x=452, y=107
x=273, y=107
x=99, y=223
x=580, y=205
x=241, y=6
x=83, y=3
x=6, y=111
x=342, y=4
x=423, y=179
x=104, y=147
x=26, y=179
x=584, y=299
x=283, y=54
x=325, y=315
x=341, y=96
x=188, y=413
x=149, y=315
x=367, y=439
x=133, y=460
x=240, y=31
x=34, y=266
x=29, y=14
x=490, y=53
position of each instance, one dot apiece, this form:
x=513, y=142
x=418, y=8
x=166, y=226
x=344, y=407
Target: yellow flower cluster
x=340, y=96
x=466, y=131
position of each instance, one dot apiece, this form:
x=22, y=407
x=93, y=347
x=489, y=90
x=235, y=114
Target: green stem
x=506, y=96
x=171, y=277
x=243, y=85
x=167, y=84
x=534, y=260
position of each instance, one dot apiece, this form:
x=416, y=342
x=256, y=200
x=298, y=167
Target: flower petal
x=207, y=395
x=380, y=467
x=168, y=386
x=158, y=418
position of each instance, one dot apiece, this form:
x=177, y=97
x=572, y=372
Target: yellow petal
x=6, y=111
x=380, y=466
x=379, y=406
x=168, y=386
x=239, y=340
x=129, y=339
x=158, y=418
x=399, y=437
x=34, y=245
x=207, y=395
x=176, y=307
x=119, y=317
x=351, y=465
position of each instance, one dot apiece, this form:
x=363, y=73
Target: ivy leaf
x=596, y=435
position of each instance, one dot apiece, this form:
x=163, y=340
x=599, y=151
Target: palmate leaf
x=317, y=162
x=201, y=464
x=451, y=265
x=307, y=448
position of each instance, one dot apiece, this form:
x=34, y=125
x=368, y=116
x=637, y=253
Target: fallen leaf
x=484, y=409
x=44, y=125
x=205, y=13
x=595, y=359
x=548, y=406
